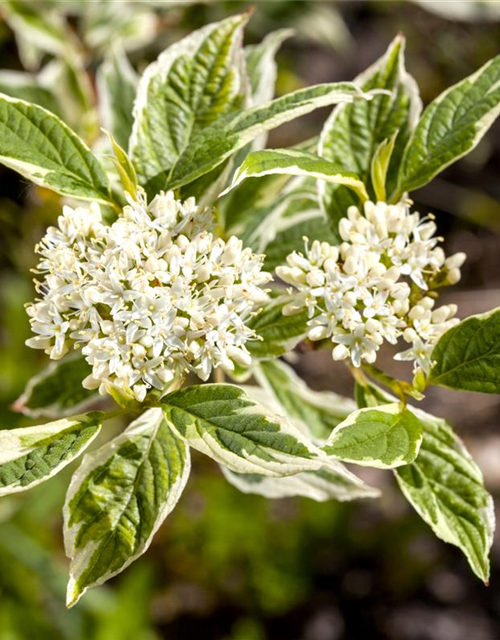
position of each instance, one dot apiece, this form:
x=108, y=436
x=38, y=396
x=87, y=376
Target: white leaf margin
x=152, y=418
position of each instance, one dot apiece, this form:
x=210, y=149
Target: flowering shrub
x=198, y=251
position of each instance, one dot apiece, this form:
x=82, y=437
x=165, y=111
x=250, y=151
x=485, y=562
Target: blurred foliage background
x=227, y=566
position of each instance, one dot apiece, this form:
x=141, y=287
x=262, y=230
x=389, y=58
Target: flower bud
x=340, y=352
x=453, y=276
x=456, y=260
x=319, y=332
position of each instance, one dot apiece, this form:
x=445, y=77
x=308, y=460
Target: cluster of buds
x=148, y=298
x=377, y=286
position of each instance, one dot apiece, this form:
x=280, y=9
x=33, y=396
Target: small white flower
x=148, y=298
x=359, y=295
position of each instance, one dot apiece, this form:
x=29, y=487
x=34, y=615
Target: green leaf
x=27, y=86
x=446, y=488
x=262, y=71
x=124, y=167
x=321, y=485
x=43, y=27
x=117, y=86
x=279, y=228
x=31, y=455
x=332, y=481
x=39, y=146
x=467, y=357
x=238, y=206
x=296, y=163
x=224, y=423
x=380, y=167
x=257, y=226
x=353, y=132
x=69, y=81
x=386, y=437
x=193, y=83
x=319, y=411
x=217, y=142
x=57, y=391
x=261, y=65
x=278, y=333
x=451, y=126
x=134, y=26
x=119, y=497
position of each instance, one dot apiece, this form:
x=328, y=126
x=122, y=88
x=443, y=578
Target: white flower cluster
x=148, y=298
x=375, y=287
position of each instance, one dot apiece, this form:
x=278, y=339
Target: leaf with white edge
x=278, y=333
x=353, y=132
x=32, y=455
x=236, y=207
x=26, y=86
x=258, y=226
x=57, y=390
x=119, y=497
x=193, y=83
x=451, y=126
x=296, y=163
x=39, y=146
x=69, y=81
x=214, y=144
x=44, y=27
x=446, y=488
x=467, y=356
x=333, y=481
x=262, y=72
x=386, y=437
x=320, y=411
x=279, y=228
x=324, y=484
x=224, y=423
x=261, y=65
x=117, y=86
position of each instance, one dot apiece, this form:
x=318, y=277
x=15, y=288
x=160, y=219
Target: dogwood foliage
x=194, y=250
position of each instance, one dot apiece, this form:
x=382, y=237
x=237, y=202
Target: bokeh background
x=227, y=566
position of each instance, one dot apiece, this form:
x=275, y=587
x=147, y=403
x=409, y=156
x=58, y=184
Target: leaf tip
x=250, y=11
x=73, y=593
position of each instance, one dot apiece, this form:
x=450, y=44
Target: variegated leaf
x=119, y=497
x=224, y=423
x=31, y=455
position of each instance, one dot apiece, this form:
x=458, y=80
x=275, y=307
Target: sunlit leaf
x=31, y=455
x=38, y=145
x=119, y=497
x=223, y=422
x=467, y=357
x=57, y=390
x=354, y=131
x=386, y=437
x=193, y=83
x=451, y=126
